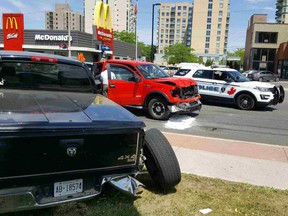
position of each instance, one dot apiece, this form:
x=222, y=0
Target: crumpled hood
x=176, y=81
x=253, y=84
x=34, y=107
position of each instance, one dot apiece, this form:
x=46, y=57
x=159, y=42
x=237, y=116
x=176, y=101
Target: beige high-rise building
x=202, y=26
x=174, y=25
x=122, y=14
x=58, y=19
x=281, y=11
x=210, y=28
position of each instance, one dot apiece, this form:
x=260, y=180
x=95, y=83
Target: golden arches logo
x=102, y=16
x=11, y=21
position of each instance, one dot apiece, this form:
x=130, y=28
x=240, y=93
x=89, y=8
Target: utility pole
x=69, y=28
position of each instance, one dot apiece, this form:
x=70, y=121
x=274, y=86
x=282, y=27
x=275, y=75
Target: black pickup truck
x=60, y=141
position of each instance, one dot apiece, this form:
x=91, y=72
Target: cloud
x=19, y=5
x=269, y=8
x=257, y=1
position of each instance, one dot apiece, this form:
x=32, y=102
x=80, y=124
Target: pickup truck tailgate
x=72, y=151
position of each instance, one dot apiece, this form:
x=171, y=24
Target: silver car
x=263, y=76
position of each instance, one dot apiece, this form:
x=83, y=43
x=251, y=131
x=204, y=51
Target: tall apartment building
x=122, y=14
x=281, y=11
x=58, y=19
x=210, y=28
x=202, y=26
x=174, y=25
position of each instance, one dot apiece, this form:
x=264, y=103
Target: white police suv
x=225, y=85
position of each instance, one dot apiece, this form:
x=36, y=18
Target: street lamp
x=69, y=28
x=152, y=46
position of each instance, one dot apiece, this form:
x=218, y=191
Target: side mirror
x=137, y=79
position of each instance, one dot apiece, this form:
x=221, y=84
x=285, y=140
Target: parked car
x=145, y=85
x=170, y=70
x=61, y=142
x=225, y=85
x=263, y=76
x=245, y=73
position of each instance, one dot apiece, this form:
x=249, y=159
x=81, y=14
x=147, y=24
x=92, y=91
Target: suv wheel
x=277, y=79
x=260, y=79
x=161, y=161
x=245, y=102
x=158, y=109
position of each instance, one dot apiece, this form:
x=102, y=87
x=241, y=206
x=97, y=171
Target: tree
x=209, y=62
x=240, y=53
x=125, y=36
x=145, y=50
x=130, y=37
x=178, y=53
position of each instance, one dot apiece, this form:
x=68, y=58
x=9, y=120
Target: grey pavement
x=247, y=162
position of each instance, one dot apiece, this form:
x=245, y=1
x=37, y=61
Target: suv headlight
x=262, y=89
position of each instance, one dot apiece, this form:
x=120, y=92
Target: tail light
x=44, y=59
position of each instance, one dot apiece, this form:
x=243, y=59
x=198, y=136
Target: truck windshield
x=151, y=71
x=237, y=76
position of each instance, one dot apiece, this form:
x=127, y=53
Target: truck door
x=124, y=86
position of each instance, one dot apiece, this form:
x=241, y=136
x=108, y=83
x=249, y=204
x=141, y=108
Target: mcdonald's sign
x=13, y=31
x=103, y=25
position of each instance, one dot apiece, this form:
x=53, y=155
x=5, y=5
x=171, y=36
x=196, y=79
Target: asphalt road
x=267, y=125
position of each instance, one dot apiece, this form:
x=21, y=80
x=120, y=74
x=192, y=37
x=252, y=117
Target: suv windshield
x=237, y=76
x=151, y=71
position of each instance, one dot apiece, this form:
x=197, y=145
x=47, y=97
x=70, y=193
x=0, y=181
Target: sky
x=240, y=13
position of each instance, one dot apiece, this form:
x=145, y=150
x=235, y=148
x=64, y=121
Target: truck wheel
x=245, y=102
x=161, y=161
x=158, y=109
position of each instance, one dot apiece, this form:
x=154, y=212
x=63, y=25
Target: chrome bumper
x=185, y=107
x=35, y=197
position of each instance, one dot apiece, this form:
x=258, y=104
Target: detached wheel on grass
x=161, y=161
x=245, y=102
x=158, y=109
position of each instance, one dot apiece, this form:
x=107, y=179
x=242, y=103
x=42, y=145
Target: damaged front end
x=36, y=197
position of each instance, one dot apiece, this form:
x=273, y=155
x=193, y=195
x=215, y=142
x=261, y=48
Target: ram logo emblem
x=71, y=151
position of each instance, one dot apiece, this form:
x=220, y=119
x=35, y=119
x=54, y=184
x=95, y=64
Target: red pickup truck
x=145, y=85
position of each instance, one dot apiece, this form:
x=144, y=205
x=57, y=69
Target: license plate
x=68, y=187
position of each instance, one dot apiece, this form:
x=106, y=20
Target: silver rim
x=158, y=108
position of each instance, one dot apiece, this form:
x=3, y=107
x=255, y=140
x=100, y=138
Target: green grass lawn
x=191, y=195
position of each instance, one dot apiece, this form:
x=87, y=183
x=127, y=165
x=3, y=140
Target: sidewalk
x=248, y=162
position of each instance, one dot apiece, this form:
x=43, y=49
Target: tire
x=260, y=79
x=277, y=79
x=245, y=102
x=158, y=109
x=161, y=161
